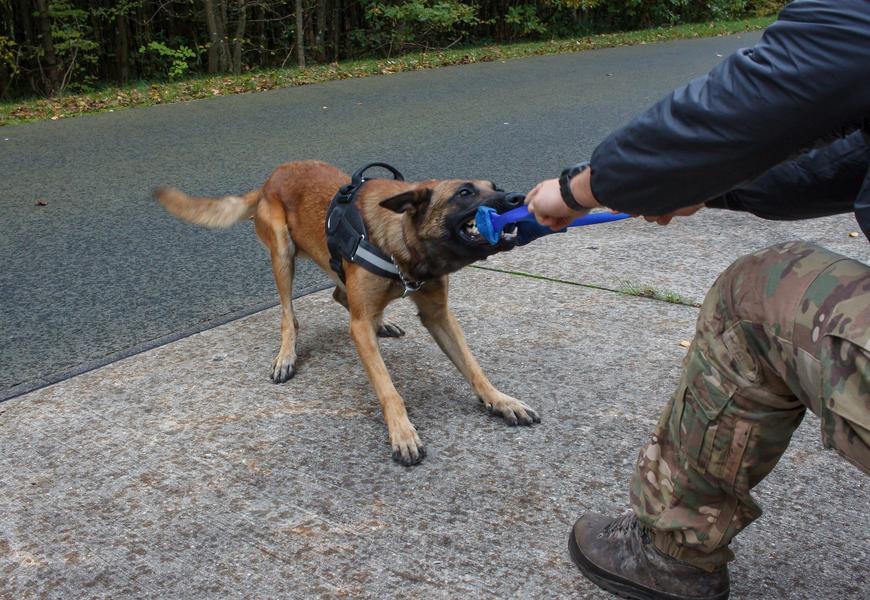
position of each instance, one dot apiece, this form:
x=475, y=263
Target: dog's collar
x=347, y=237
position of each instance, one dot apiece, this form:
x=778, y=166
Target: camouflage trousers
x=782, y=330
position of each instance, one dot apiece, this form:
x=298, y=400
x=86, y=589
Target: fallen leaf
x=685, y=343
x=41, y=203
x=854, y=234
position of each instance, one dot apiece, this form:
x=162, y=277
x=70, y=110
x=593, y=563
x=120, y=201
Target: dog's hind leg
x=274, y=234
x=388, y=329
x=440, y=322
x=384, y=328
x=340, y=296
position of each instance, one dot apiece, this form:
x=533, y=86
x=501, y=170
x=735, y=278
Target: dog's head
x=441, y=215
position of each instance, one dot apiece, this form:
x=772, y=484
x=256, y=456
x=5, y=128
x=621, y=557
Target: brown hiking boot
x=618, y=555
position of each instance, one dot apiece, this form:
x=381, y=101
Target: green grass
x=147, y=94
x=626, y=289
x=645, y=291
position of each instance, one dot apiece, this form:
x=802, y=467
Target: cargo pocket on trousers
x=704, y=438
x=846, y=398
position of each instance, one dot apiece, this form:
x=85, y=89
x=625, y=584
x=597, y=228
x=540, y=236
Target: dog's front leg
x=440, y=322
x=406, y=444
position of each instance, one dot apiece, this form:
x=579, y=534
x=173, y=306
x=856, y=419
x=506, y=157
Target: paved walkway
x=184, y=473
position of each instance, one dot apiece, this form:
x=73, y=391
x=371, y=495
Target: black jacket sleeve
x=806, y=77
x=821, y=182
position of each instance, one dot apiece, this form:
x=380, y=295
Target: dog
x=427, y=228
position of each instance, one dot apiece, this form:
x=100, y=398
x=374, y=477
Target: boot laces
x=628, y=524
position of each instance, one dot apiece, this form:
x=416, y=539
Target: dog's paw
x=283, y=369
x=387, y=329
x=511, y=410
x=408, y=450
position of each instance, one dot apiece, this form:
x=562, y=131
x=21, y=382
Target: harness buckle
x=410, y=286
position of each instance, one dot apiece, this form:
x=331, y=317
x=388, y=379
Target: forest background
x=52, y=47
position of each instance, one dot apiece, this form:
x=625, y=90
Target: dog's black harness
x=347, y=237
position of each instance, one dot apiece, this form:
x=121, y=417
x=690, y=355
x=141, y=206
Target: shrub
x=418, y=23
x=175, y=61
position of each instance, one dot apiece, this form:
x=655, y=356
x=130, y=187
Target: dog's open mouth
x=469, y=232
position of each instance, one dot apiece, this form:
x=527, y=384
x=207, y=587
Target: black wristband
x=565, y=185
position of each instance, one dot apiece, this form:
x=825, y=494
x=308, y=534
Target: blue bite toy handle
x=491, y=224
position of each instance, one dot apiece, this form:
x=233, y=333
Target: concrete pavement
x=183, y=472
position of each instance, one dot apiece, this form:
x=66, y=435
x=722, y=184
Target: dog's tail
x=209, y=212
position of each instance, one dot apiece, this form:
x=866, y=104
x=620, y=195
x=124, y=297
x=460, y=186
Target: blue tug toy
x=491, y=224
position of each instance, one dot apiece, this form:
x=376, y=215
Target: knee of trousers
x=764, y=287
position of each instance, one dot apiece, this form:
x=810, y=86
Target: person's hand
x=546, y=204
x=683, y=212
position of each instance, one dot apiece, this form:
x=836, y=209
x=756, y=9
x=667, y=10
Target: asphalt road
x=101, y=271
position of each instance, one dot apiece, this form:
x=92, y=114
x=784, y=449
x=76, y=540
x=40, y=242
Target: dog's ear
x=412, y=200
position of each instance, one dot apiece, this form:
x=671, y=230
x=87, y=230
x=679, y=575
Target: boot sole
x=623, y=587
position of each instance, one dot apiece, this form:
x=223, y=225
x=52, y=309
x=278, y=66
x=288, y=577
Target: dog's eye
x=465, y=192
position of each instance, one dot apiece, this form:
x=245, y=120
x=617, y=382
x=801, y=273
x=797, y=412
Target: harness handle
x=357, y=177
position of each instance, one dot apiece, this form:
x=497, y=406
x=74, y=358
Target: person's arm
x=805, y=77
x=821, y=182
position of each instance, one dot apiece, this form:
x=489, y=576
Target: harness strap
x=347, y=237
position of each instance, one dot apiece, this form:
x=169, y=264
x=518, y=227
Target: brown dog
x=428, y=229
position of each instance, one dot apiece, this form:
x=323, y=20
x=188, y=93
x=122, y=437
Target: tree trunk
x=98, y=35
x=320, y=31
x=259, y=16
x=7, y=30
x=23, y=30
x=122, y=48
x=52, y=83
x=216, y=61
x=142, y=29
x=239, y=38
x=300, y=35
x=336, y=30
x=222, y=33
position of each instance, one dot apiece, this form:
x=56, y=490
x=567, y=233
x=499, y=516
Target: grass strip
x=628, y=289
x=151, y=93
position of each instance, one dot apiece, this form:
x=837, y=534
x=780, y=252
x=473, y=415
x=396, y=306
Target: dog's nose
x=514, y=199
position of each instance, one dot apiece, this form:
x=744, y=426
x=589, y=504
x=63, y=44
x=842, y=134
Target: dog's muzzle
x=470, y=234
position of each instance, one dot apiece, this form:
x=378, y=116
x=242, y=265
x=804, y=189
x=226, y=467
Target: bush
x=525, y=21
x=175, y=63
x=77, y=53
x=418, y=23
